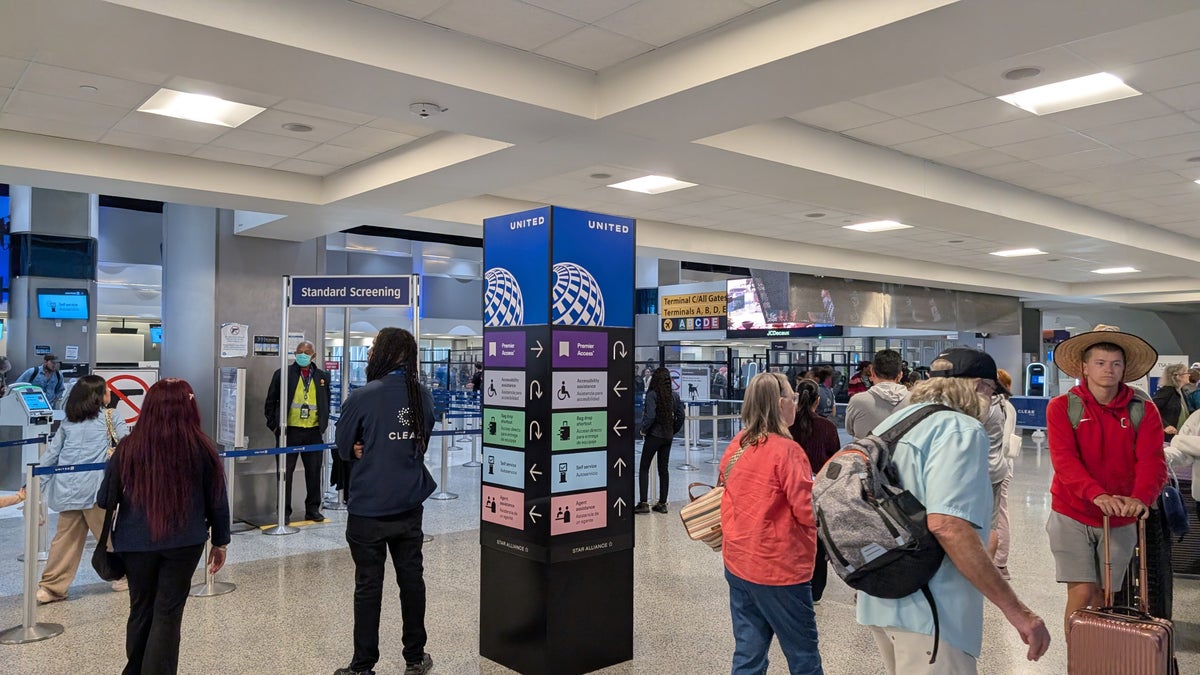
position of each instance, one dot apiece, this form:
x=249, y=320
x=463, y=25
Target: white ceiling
x=780, y=111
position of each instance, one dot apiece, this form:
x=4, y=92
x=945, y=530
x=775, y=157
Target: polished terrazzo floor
x=291, y=610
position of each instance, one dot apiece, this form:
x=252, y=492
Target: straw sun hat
x=1140, y=357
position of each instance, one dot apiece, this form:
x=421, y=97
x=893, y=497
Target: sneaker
x=316, y=517
x=420, y=667
x=348, y=671
x=1004, y=573
x=660, y=507
x=120, y=585
x=816, y=603
x=45, y=597
x=642, y=507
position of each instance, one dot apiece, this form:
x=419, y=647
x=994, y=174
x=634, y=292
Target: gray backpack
x=874, y=531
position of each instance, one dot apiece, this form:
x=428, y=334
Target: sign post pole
x=281, y=525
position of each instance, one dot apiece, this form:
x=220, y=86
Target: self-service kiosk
x=24, y=413
x=1035, y=379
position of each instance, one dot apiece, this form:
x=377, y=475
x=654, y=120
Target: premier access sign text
x=351, y=291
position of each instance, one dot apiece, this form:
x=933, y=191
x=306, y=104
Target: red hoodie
x=1102, y=456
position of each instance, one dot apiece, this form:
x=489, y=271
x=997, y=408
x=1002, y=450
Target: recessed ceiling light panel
x=1071, y=94
x=878, y=226
x=199, y=108
x=1018, y=252
x=652, y=185
x=1116, y=270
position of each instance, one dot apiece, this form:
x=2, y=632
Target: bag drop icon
x=492, y=426
x=564, y=432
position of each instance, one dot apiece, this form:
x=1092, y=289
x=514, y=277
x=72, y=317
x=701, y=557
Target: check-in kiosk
x=1035, y=379
x=24, y=413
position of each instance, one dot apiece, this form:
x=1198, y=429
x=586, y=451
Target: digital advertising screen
x=156, y=334
x=63, y=303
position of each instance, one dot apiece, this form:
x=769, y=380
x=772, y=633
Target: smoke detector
x=425, y=110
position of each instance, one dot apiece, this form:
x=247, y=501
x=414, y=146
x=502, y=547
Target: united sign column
x=556, y=526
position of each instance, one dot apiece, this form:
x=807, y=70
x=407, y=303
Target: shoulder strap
x=1074, y=409
x=733, y=460
x=1137, y=408
x=937, y=630
x=905, y=425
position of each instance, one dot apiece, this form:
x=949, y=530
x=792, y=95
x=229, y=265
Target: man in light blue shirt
x=943, y=462
x=47, y=377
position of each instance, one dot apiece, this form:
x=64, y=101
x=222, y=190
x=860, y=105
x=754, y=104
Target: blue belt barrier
x=460, y=432
x=262, y=452
x=25, y=441
x=68, y=468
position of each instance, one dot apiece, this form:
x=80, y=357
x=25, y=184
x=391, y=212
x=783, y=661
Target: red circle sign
x=137, y=410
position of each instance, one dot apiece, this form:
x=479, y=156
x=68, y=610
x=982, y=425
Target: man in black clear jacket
x=383, y=433
x=307, y=409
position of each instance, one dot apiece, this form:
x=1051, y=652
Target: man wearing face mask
x=47, y=377
x=307, y=409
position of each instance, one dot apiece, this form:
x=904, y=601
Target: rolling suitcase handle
x=1143, y=576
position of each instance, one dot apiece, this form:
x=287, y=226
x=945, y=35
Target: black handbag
x=1174, y=511
x=109, y=565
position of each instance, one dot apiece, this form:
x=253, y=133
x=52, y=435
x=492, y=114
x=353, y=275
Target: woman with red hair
x=170, y=486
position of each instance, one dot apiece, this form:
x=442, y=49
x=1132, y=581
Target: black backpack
x=874, y=531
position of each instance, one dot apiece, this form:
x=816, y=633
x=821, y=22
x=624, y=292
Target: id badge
x=304, y=411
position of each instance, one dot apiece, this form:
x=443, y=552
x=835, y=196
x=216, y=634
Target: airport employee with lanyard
x=307, y=418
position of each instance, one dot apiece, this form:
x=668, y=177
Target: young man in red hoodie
x=1107, y=461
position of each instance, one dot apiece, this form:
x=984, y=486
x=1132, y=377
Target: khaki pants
x=66, y=549
x=907, y=653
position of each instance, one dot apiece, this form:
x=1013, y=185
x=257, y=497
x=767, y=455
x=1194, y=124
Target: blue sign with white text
x=593, y=269
x=351, y=291
x=516, y=261
x=1031, y=411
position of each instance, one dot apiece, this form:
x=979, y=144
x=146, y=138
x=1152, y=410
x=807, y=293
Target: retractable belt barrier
x=26, y=441
x=689, y=440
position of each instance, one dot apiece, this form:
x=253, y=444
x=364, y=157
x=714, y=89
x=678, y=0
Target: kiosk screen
x=35, y=400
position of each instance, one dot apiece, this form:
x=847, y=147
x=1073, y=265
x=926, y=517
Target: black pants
x=158, y=589
x=820, y=572
x=312, y=469
x=662, y=447
x=370, y=540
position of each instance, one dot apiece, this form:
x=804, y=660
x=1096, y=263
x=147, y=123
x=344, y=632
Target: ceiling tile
x=50, y=127
x=372, y=140
x=892, y=132
x=306, y=167
x=272, y=121
x=66, y=83
x=1186, y=97
x=324, y=112
x=402, y=127
x=151, y=143
x=335, y=156
x=1140, y=130
x=237, y=156
x=1084, y=160
x=416, y=9
x=1164, y=146
x=506, y=22
x=1113, y=112
x=920, y=97
x=1007, y=133
x=587, y=12
x=1057, y=64
x=593, y=48
x=1165, y=73
x=841, y=116
x=1051, y=145
x=63, y=109
x=266, y=144
x=1144, y=42
x=971, y=115
x=977, y=159
x=665, y=21
x=10, y=71
x=169, y=127
x=936, y=147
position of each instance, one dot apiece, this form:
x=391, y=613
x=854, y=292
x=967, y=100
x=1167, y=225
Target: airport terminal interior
x=568, y=194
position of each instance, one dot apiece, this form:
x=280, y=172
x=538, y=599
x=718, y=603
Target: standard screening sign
x=351, y=291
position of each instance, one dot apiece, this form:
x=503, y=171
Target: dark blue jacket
x=652, y=426
x=391, y=477
x=131, y=530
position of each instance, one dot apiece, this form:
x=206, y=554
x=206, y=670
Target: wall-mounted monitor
x=156, y=333
x=63, y=303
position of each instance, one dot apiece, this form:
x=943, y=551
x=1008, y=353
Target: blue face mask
x=303, y=360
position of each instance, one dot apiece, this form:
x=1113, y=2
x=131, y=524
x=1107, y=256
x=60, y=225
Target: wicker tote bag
x=702, y=516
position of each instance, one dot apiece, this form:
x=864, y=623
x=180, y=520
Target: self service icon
x=492, y=426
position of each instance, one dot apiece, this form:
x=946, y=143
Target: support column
x=189, y=303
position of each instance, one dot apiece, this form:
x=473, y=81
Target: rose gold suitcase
x=1120, y=640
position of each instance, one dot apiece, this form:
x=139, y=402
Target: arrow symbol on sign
x=537, y=349
x=618, y=427
x=535, y=389
x=534, y=515
x=623, y=353
x=535, y=430
x=619, y=465
x=534, y=473
x=617, y=389
x=618, y=505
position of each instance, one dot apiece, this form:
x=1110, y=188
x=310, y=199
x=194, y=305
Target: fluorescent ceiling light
x=1071, y=94
x=1018, y=252
x=199, y=108
x=1116, y=270
x=878, y=226
x=652, y=185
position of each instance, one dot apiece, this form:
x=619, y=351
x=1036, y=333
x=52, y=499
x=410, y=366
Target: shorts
x=1079, y=554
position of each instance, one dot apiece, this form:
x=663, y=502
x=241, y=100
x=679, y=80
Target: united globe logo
x=502, y=301
x=577, y=297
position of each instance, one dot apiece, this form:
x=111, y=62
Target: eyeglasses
x=987, y=387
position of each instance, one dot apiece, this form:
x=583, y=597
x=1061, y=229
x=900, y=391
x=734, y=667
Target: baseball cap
x=50, y=357
x=967, y=362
